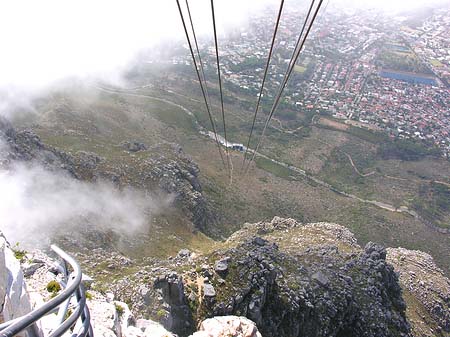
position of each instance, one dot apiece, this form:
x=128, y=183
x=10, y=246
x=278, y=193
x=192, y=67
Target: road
x=204, y=132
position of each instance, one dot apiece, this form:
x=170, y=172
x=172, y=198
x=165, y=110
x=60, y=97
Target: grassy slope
x=99, y=121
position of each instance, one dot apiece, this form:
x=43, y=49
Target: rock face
x=14, y=298
x=133, y=146
x=286, y=298
x=179, y=319
x=292, y=283
x=109, y=318
x=176, y=174
x=291, y=279
x=25, y=146
x=427, y=291
x=164, y=167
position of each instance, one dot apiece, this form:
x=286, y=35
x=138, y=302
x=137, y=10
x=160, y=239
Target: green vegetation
x=19, y=254
x=100, y=287
x=68, y=313
x=436, y=63
x=299, y=69
x=403, y=149
x=401, y=59
x=175, y=117
x=161, y=313
x=274, y=168
x=406, y=149
x=250, y=63
x=119, y=309
x=373, y=137
x=53, y=287
x=433, y=203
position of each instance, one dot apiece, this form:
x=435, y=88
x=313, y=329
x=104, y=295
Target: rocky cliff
x=426, y=291
x=291, y=279
x=25, y=146
x=14, y=298
x=163, y=169
x=24, y=285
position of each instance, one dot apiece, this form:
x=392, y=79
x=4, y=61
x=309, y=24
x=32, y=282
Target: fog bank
x=36, y=204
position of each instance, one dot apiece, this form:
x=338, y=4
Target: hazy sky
x=46, y=40
x=49, y=39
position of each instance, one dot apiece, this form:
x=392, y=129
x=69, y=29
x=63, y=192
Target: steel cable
x=263, y=81
x=220, y=88
x=200, y=81
x=297, y=50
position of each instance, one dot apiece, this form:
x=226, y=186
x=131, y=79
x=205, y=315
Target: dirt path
x=355, y=168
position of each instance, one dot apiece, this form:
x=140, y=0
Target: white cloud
x=47, y=40
x=36, y=203
x=42, y=42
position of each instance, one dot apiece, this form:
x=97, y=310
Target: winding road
x=204, y=132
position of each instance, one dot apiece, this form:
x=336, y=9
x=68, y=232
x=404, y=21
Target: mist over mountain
x=99, y=41
x=332, y=219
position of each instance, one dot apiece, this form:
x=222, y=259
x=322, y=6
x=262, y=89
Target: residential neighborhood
x=388, y=72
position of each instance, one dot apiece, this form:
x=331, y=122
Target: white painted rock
x=227, y=326
x=14, y=299
x=104, y=317
x=147, y=329
x=155, y=329
x=3, y=275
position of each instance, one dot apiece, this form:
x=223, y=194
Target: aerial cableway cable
x=220, y=89
x=200, y=81
x=200, y=62
x=298, y=48
x=263, y=81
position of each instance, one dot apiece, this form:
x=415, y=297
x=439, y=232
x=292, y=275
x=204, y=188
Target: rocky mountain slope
x=426, y=291
x=25, y=146
x=163, y=170
x=25, y=279
x=291, y=279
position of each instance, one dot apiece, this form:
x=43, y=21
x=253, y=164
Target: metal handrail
x=73, y=287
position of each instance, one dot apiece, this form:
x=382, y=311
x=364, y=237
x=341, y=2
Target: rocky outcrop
x=109, y=318
x=14, y=298
x=133, y=146
x=177, y=174
x=24, y=286
x=285, y=297
x=179, y=318
x=291, y=279
x=88, y=160
x=165, y=169
x=427, y=291
x=226, y=326
x=25, y=146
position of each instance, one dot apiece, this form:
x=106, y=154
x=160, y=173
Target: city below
x=365, y=68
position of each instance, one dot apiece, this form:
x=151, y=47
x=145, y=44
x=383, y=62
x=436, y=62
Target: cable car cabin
x=236, y=147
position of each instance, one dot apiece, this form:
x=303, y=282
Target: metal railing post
x=72, y=286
